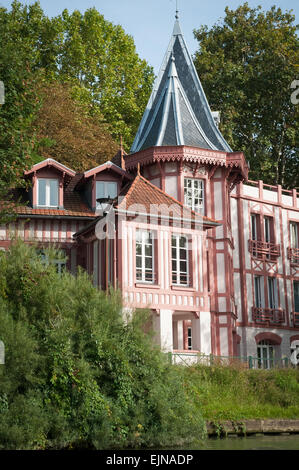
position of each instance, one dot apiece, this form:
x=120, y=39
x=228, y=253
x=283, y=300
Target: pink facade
x=178, y=228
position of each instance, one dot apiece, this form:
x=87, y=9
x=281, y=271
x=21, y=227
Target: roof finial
x=177, y=11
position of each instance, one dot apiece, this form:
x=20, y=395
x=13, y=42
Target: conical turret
x=178, y=112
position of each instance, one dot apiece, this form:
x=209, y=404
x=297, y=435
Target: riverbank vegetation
x=76, y=375
x=233, y=393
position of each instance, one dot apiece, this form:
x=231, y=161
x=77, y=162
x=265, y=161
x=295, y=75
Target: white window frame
x=258, y=292
x=265, y=354
x=267, y=228
x=105, y=192
x=193, y=193
x=177, y=272
x=254, y=229
x=294, y=236
x=48, y=192
x=272, y=293
x=147, y=274
x=296, y=295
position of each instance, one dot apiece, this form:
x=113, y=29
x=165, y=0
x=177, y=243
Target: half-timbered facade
x=177, y=226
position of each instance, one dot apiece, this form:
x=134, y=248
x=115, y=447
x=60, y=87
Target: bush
x=76, y=374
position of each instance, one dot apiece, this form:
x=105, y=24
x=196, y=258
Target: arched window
x=265, y=354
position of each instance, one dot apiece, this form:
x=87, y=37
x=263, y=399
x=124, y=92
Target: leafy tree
x=102, y=58
x=246, y=65
x=67, y=132
x=90, y=57
x=22, y=38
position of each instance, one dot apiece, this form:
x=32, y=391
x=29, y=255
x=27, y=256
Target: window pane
x=182, y=242
x=183, y=266
x=41, y=192
x=148, y=263
x=112, y=190
x=183, y=254
x=148, y=250
x=100, y=189
x=53, y=185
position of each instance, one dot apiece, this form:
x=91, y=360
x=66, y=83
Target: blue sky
x=150, y=22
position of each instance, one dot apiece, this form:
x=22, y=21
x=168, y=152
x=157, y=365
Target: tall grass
x=234, y=393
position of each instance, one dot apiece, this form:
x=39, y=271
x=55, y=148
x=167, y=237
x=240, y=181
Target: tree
x=246, y=66
x=102, y=58
x=68, y=132
x=76, y=375
x=90, y=65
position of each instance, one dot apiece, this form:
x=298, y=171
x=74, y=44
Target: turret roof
x=178, y=112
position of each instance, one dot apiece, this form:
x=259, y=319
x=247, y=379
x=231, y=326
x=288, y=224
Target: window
x=265, y=354
x=258, y=292
x=294, y=233
x=47, y=192
x=144, y=256
x=272, y=293
x=179, y=260
x=189, y=337
x=255, y=222
x=60, y=264
x=105, y=189
x=194, y=194
x=296, y=295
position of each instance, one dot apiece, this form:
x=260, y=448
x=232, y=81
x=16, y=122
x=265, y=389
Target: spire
x=178, y=112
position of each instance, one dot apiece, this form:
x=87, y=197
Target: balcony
x=293, y=255
x=268, y=316
x=263, y=250
x=295, y=316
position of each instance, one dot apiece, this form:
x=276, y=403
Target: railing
x=295, y=316
x=293, y=255
x=242, y=362
x=261, y=249
x=268, y=315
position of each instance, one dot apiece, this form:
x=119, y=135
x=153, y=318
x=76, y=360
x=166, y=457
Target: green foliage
x=246, y=65
x=234, y=393
x=97, y=65
x=76, y=374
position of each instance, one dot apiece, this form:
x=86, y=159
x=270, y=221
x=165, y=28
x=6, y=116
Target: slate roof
x=178, y=112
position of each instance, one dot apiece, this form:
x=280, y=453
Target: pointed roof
x=178, y=112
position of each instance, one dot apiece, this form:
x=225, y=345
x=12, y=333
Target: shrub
x=76, y=374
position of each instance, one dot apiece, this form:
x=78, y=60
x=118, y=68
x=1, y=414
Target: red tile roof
x=145, y=194
x=73, y=207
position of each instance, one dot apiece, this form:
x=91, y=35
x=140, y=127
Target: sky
x=150, y=22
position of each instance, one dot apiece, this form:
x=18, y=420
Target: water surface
x=264, y=442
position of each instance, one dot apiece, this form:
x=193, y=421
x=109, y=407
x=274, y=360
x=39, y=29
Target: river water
x=262, y=442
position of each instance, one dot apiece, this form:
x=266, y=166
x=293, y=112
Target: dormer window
x=47, y=192
x=105, y=189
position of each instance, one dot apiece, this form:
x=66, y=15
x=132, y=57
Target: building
x=178, y=227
